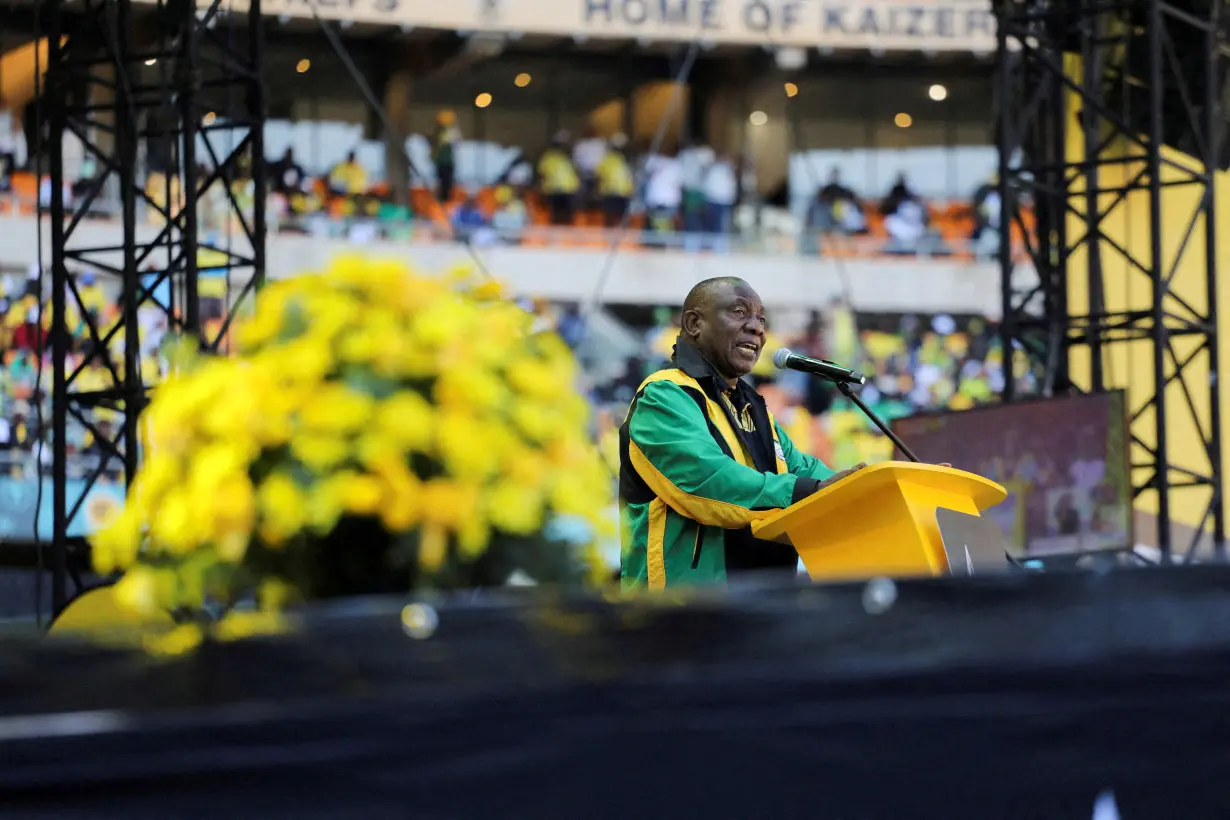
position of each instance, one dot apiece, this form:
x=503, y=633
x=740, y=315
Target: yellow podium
x=879, y=521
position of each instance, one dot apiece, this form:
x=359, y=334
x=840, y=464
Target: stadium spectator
x=694, y=161
x=510, y=217
x=12, y=149
x=586, y=155
x=721, y=190
x=558, y=180
x=663, y=194
x=616, y=183
x=286, y=176
x=348, y=177
x=443, y=154
x=834, y=213
x=987, y=207
x=470, y=223
x=907, y=220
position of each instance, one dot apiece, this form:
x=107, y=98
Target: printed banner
x=929, y=25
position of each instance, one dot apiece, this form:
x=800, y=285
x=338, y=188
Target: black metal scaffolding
x=1150, y=75
x=171, y=88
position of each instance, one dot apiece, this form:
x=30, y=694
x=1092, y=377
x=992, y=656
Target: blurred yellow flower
x=362, y=391
x=337, y=409
x=175, y=527
x=433, y=546
x=319, y=453
x=449, y=504
x=137, y=591
x=515, y=508
x=283, y=508
x=406, y=420
x=180, y=640
x=489, y=291
x=463, y=446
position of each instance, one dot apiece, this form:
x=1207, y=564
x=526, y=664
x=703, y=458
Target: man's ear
x=690, y=322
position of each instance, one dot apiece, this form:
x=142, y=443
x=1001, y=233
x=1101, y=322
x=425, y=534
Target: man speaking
x=701, y=457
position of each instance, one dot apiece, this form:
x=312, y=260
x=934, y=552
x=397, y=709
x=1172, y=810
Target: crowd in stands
x=26, y=377
x=695, y=198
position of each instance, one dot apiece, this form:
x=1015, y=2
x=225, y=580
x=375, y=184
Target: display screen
x=1063, y=461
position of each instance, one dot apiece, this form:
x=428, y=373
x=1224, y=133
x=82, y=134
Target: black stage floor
x=1012, y=697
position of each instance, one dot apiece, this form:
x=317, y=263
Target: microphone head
x=781, y=357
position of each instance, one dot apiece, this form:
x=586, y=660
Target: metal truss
x=1150, y=75
x=181, y=84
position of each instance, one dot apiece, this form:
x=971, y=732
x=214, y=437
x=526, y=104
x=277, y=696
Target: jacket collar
x=688, y=359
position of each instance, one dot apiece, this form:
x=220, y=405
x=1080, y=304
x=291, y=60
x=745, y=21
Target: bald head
x=702, y=293
x=724, y=318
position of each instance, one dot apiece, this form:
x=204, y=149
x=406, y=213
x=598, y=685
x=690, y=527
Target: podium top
x=861, y=487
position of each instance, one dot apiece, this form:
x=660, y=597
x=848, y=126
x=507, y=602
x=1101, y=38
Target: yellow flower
x=325, y=507
x=176, y=527
x=137, y=591
x=307, y=359
x=433, y=547
x=239, y=625
x=158, y=474
x=406, y=421
x=569, y=498
x=178, y=641
x=331, y=313
x=473, y=537
x=319, y=453
x=489, y=290
x=527, y=467
x=283, y=508
x=358, y=494
x=452, y=319
x=401, y=503
x=469, y=389
x=336, y=409
x=515, y=509
x=233, y=507
x=449, y=503
x=216, y=465
x=462, y=443
x=115, y=545
x=267, y=320
x=535, y=421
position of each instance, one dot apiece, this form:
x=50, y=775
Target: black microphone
x=785, y=360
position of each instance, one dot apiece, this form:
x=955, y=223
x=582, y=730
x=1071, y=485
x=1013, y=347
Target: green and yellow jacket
x=699, y=462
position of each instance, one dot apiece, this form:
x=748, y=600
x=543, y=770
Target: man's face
x=729, y=331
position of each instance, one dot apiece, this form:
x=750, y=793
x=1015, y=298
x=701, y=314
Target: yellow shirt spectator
x=559, y=175
x=348, y=177
x=614, y=175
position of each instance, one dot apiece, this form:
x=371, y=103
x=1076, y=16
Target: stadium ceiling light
x=151, y=61
x=303, y=65
x=208, y=119
x=482, y=100
x=791, y=90
x=903, y=120
x=522, y=80
x=758, y=118
x=937, y=92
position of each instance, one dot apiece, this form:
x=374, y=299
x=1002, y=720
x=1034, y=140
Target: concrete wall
x=636, y=277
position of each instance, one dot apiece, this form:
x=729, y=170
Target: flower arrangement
x=378, y=431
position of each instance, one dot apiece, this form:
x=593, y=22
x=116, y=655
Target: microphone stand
x=848, y=392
